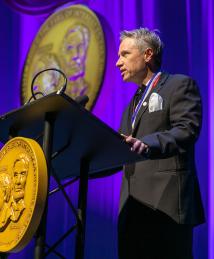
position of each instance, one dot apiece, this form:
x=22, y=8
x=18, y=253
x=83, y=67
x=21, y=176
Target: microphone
x=61, y=90
x=82, y=100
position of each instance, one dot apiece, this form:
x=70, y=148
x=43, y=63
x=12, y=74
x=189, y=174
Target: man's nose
x=118, y=63
x=18, y=179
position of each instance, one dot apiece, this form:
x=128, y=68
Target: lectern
x=75, y=143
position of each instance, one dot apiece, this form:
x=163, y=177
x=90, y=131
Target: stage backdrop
x=186, y=27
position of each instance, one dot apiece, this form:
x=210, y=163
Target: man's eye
x=125, y=55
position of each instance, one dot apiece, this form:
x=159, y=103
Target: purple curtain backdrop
x=35, y=7
x=186, y=28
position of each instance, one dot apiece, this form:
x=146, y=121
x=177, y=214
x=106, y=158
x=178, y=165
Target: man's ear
x=148, y=54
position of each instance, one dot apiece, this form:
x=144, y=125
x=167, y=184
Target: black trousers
x=144, y=233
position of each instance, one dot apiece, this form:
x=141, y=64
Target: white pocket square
x=155, y=102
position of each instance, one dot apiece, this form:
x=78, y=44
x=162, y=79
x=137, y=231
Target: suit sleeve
x=185, y=122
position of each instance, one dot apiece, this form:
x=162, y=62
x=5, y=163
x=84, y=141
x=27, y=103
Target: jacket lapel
x=129, y=119
x=145, y=104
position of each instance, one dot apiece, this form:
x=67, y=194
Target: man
x=74, y=51
x=20, y=172
x=72, y=56
x=160, y=197
x=5, y=194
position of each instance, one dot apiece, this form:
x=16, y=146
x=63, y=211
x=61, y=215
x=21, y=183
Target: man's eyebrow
x=123, y=52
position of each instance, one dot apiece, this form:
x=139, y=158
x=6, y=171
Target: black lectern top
x=78, y=135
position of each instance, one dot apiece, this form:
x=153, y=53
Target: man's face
x=74, y=52
x=5, y=189
x=131, y=62
x=19, y=180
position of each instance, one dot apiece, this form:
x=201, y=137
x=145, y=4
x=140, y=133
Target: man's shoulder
x=177, y=79
x=176, y=76
x=180, y=84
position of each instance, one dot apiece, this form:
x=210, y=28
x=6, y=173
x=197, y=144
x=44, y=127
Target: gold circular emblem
x=23, y=190
x=71, y=40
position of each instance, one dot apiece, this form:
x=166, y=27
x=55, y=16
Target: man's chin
x=125, y=79
x=129, y=80
x=18, y=195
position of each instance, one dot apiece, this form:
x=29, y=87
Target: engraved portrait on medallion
x=23, y=189
x=72, y=41
x=48, y=81
x=19, y=178
x=71, y=56
x=5, y=195
x=74, y=52
x=12, y=191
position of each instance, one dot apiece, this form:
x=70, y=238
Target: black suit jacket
x=167, y=181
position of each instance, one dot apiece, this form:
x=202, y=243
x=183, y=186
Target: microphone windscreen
x=82, y=99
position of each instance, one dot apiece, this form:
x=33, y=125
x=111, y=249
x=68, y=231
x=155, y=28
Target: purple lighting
x=210, y=22
x=187, y=30
x=35, y=7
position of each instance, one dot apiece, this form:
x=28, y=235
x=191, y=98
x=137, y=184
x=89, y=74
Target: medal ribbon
x=150, y=85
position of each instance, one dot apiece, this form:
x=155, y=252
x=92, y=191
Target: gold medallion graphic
x=23, y=190
x=72, y=41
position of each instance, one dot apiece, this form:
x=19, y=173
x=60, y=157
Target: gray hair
x=146, y=39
